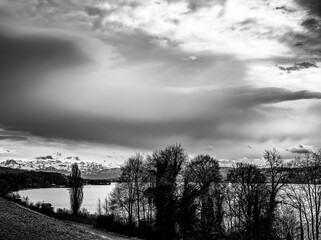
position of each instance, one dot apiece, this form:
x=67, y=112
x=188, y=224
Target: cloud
x=298, y=66
x=194, y=5
x=4, y=151
x=210, y=148
x=142, y=75
x=301, y=149
x=313, y=5
x=26, y=57
x=13, y=138
x=225, y=114
x=190, y=58
x=12, y=135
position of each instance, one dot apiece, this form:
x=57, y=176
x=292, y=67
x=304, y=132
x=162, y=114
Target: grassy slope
x=17, y=222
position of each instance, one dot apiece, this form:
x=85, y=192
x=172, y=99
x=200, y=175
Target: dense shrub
x=109, y=223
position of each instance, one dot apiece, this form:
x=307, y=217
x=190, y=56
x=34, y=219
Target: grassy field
x=17, y=222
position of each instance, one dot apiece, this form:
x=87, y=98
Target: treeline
x=168, y=196
x=12, y=180
x=97, y=181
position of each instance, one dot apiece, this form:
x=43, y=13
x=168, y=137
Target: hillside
x=17, y=222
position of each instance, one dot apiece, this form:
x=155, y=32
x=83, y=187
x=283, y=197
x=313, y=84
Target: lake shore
x=49, y=195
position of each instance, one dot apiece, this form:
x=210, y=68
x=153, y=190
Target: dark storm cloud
x=194, y=5
x=232, y=109
x=13, y=135
x=25, y=57
x=308, y=41
x=252, y=96
x=313, y=5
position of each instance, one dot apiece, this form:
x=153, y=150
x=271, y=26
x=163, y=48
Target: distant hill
x=17, y=179
x=10, y=170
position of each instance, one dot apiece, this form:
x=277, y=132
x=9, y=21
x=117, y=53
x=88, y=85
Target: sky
x=105, y=79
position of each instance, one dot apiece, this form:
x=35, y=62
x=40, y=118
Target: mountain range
x=89, y=170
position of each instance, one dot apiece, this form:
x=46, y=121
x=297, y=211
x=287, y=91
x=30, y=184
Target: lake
x=59, y=197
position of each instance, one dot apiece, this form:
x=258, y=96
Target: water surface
x=59, y=197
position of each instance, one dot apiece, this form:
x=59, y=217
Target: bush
x=61, y=211
x=109, y=223
x=37, y=205
x=105, y=221
x=14, y=197
x=25, y=201
x=84, y=212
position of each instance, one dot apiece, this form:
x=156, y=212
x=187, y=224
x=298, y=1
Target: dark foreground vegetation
x=168, y=196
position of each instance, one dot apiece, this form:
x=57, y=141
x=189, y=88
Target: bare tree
x=75, y=189
x=119, y=203
x=106, y=206
x=99, y=208
x=248, y=188
x=287, y=223
x=132, y=176
x=306, y=197
x=277, y=179
x=128, y=195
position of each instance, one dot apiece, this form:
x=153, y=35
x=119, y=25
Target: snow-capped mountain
x=49, y=164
